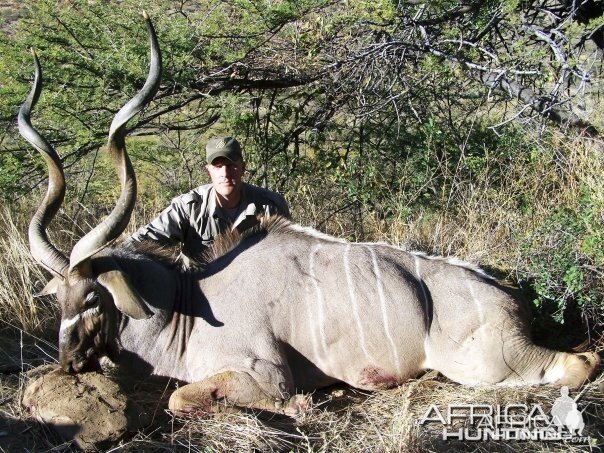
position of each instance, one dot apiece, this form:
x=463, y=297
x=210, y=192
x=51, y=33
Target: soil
x=88, y=408
x=107, y=409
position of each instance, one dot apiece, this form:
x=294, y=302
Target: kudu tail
x=572, y=369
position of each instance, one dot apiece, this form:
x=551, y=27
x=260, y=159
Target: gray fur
x=298, y=311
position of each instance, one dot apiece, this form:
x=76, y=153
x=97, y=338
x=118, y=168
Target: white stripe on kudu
x=319, y=356
x=67, y=323
x=380, y=289
x=315, y=234
x=320, y=298
x=353, y=302
x=476, y=302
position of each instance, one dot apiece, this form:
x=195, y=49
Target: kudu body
x=281, y=309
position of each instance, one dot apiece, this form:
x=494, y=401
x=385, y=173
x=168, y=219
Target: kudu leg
x=231, y=391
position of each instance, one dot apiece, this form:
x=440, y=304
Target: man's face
x=226, y=176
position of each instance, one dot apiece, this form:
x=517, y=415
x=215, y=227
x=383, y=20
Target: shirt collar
x=247, y=208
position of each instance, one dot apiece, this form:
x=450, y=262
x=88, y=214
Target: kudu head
x=88, y=295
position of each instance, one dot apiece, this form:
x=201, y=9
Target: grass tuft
x=20, y=279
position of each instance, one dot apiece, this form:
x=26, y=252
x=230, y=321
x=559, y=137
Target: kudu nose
x=66, y=364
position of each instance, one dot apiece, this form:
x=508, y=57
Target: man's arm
x=276, y=204
x=281, y=206
x=168, y=228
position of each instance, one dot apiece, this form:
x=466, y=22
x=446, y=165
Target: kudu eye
x=92, y=299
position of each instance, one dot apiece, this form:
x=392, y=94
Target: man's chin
x=226, y=191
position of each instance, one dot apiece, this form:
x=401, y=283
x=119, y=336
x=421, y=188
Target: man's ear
x=125, y=296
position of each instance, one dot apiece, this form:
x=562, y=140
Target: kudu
x=279, y=309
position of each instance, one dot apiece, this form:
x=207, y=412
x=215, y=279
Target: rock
x=88, y=408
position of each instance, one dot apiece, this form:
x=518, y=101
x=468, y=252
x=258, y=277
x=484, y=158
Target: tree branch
x=540, y=104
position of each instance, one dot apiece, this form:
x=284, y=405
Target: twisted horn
x=108, y=230
x=41, y=248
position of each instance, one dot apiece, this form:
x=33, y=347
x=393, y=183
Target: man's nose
x=229, y=170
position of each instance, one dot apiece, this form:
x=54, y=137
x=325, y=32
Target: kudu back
x=279, y=309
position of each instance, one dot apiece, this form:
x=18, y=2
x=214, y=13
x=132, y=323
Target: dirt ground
x=96, y=402
x=342, y=419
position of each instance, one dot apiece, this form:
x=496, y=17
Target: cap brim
x=224, y=154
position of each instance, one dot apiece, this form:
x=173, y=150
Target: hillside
x=9, y=12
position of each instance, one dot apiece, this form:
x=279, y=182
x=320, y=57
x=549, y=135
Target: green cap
x=226, y=147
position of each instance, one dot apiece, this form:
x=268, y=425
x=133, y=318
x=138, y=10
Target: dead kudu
x=279, y=310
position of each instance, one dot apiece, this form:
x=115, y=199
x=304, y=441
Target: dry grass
x=20, y=279
x=486, y=225
x=344, y=419
x=341, y=419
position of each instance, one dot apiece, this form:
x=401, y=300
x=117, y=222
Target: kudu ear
x=51, y=287
x=125, y=296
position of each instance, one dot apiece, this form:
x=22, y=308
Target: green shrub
x=565, y=255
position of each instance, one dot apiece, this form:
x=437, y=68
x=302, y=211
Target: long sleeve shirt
x=194, y=220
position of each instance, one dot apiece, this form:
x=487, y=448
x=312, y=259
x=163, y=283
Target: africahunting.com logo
x=481, y=422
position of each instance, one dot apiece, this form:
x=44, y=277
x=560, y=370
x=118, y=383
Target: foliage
x=366, y=115
x=284, y=72
x=567, y=270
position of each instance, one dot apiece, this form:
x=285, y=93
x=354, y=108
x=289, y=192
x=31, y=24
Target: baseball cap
x=227, y=147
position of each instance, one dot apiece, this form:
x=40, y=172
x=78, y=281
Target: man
x=195, y=219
